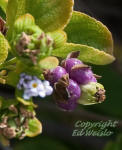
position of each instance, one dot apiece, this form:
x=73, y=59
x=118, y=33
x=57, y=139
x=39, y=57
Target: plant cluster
x=46, y=49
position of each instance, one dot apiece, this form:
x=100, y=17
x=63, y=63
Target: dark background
x=57, y=125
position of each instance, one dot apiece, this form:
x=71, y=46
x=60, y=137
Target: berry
x=82, y=75
x=55, y=74
x=69, y=63
x=74, y=94
x=92, y=93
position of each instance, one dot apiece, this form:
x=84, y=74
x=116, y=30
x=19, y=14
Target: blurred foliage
x=117, y=145
x=44, y=143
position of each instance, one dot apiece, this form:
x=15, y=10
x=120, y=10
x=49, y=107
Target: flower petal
x=49, y=90
x=42, y=94
x=46, y=83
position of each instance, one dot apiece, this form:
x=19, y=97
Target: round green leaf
x=6, y=103
x=83, y=29
x=23, y=22
x=35, y=128
x=49, y=15
x=3, y=48
x=49, y=63
x=87, y=54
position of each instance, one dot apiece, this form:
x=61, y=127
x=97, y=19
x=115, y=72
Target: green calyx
x=92, y=93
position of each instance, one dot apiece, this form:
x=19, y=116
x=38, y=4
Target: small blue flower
x=23, y=81
x=48, y=88
x=28, y=77
x=27, y=94
x=22, y=75
x=34, y=87
x=19, y=86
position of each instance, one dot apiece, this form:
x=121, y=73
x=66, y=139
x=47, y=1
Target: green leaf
x=31, y=70
x=11, y=16
x=35, y=128
x=6, y=103
x=49, y=15
x=26, y=103
x=59, y=38
x=19, y=95
x=23, y=22
x=3, y=48
x=87, y=54
x=83, y=29
x=3, y=4
x=26, y=23
x=49, y=63
x=12, y=78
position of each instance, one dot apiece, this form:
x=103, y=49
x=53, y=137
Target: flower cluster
x=33, y=86
x=34, y=47
x=74, y=82
x=15, y=122
x=35, y=42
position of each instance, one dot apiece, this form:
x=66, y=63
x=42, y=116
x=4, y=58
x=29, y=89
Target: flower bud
x=33, y=47
x=92, y=93
x=9, y=133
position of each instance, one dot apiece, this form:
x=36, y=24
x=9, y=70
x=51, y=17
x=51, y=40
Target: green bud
x=33, y=48
x=92, y=93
